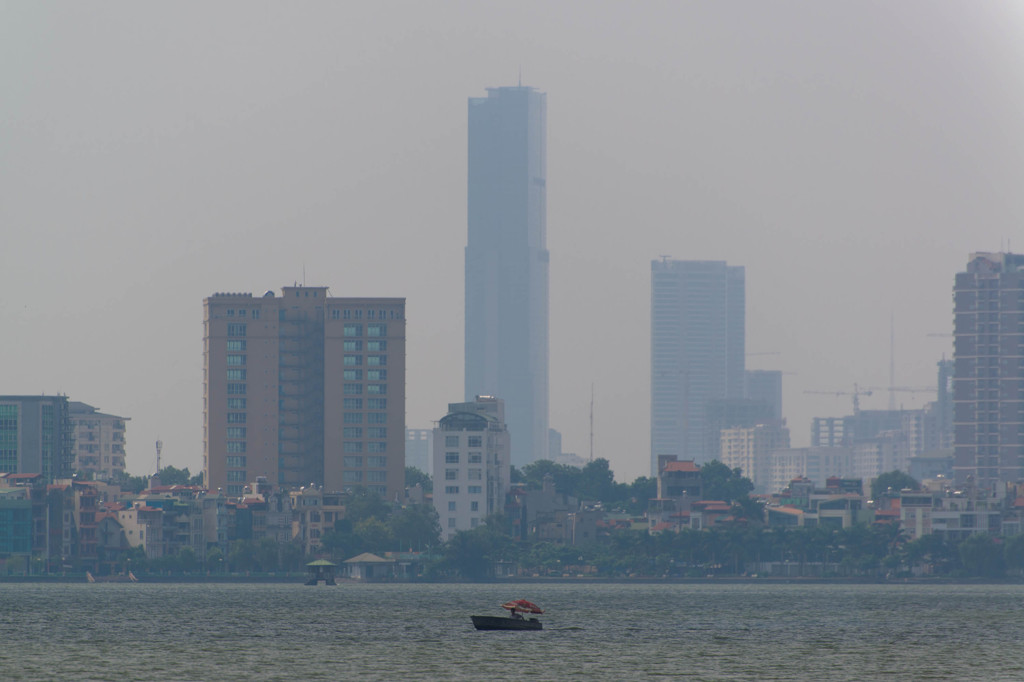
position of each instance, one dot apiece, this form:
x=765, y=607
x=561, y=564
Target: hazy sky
x=849, y=155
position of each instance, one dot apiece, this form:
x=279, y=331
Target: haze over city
x=849, y=157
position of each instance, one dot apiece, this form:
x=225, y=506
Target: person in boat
x=516, y=615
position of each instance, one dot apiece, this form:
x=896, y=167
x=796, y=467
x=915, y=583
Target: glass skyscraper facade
x=507, y=263
x=698, y=352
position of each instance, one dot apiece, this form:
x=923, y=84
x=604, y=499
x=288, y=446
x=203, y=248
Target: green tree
x=472, y=553
x=416, y=527
x=722, y=483
x=897, y=480
x=414, y=476
x=373, y=535
x=129, y=483
x=170, y=475
x=565, y=478
x=363, y=504
x=982, y=556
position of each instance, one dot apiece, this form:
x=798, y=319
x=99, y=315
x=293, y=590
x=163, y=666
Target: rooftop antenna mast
x=591, y=422
x=159, y=448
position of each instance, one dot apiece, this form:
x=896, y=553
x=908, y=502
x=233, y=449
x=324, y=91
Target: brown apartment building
x=304, y=389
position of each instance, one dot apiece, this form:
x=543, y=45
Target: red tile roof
x=686, y=465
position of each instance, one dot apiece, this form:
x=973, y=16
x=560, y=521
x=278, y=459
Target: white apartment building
x=749, y=449
x=472, y=459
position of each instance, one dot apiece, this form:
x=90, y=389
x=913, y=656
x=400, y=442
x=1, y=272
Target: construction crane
x=857, y=392
x=893, y=390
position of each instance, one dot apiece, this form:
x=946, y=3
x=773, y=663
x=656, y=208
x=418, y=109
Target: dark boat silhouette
x=515, y=619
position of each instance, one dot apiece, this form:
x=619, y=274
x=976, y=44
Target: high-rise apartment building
x=507, y=262
x=749, y=449
x=697, y=351
x=304, y=389
x=36, y=436
x=988, y=370
x=765, y=386
x=99, y=441
x=471, y=464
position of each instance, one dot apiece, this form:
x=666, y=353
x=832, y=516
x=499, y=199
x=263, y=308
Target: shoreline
x=300, y=579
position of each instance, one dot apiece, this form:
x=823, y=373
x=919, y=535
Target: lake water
x=591, y=632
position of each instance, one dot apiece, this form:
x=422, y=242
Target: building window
x=353, y=418
x=335, y=314
x=451, y=505
x=370, y=315
x=353, y=330
x=451, y=490
x=233, y=490
x=236, y=476
x=376, y=330
x=352, y=360
x=377, y=375
x=236, y=330
x=352, y=345
x=352, y=447
x=476, y=474
x=236, y=432
x=377, y=403
x=451, y=441
x=236, y=446
x=475, y=458
x=235, y=462
x=475, y=442
x=236, y=389
x=475, y=490
x=377, y=462
x=451, y=523
x=451, y=458
x=348, y=314
x=236, y=375
x=352, y=403
x=351, y=476
x=256, y=314
x=474, y=506
x=376, y=360
x=236, y=361
x=353, y=375
x=236, y=417
x=353, y=389
x=236, y=345
x=358, y=314
x=352, y=462
x=352, y=432
x=377, y=476
x=379, y=345
x=377, y=432
x=376, y=446
x=451, y=474
x=377, y=418
x=236, y=403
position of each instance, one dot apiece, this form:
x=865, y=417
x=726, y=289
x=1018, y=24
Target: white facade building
x=472, y=451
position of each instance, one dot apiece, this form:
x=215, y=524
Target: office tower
x=471, y=464
x=304, y=389
x=99, y=441
x=36, y=436
x=697, y=351
x=507, y=263
x=765, y=386
x=419, y=449
x=988, y=370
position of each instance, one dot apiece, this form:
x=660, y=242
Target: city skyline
x=848, y=157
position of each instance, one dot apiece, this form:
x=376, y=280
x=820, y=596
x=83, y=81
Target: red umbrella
x=522, y=605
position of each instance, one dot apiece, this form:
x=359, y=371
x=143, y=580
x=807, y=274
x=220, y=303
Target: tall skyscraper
x=304, y=389
x=507, y=263
x=697, y=351
x=988, y=370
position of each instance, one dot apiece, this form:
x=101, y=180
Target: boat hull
x=501, y=623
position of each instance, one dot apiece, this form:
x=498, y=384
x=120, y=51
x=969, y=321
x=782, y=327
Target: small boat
x=515, y=619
